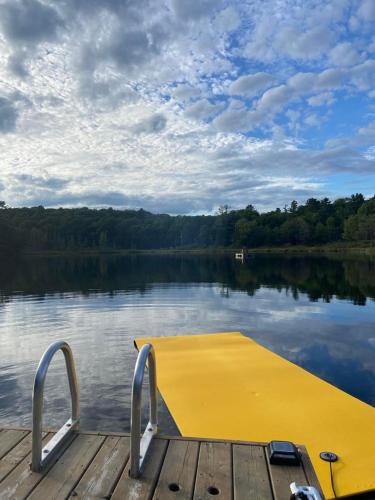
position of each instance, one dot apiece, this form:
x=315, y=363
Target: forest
x=73, y=229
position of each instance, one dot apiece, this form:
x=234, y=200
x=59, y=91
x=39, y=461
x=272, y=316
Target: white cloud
x=184, y=91
x=202, y=110
x=312, y=120
x=330, y=78
x=323, y=99
x=367, y=133
x=366, y=10
x=354, y=24
x=187, y=9
x=304, y=45
x=250, y=85
x=303, y=82
x=29, y=22
x=363, y=75
x=235, y=118
x=275, y=98
x=293, y=117
x=308, y=83
x=364, y=136
x=292, y=30
x=227, y=20
x=344, y=54
x=151, y=125
x=26, y=25
x=8, y=116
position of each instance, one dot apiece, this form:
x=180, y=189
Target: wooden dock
x=94, y=465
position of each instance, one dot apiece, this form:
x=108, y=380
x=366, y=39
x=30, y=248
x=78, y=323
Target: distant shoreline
x=361, y=248
x=330, y=248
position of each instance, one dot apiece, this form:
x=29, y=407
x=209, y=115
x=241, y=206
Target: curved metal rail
x=41, y=458
x=139, y=446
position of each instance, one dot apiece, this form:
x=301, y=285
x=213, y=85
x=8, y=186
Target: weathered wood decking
x=95, y=466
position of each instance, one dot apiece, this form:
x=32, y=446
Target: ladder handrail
x=40, y=458
x=139, y=446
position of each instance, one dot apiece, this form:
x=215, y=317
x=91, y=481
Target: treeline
x=315, y=222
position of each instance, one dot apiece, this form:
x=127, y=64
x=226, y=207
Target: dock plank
x=67, y=471
x=8, y=439
x=95, y=465
x=177, y=476
x=143, y=487
x=214, y=473
x=282, y=476
x=16, y=455
x=100, y=478
x=250, y=473
x=18, y=484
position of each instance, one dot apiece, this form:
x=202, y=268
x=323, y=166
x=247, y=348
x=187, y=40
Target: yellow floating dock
x=226, y=386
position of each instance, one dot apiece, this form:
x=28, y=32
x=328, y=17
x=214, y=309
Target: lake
x=318, y=312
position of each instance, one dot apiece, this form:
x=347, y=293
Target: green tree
x=223, y=209
x=295, y=231
x=366, y=227
x=103, y=240
x=242, y=231
x=321, y=233
x=293, y=207
x=351, y=228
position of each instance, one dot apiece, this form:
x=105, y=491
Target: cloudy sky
x=180, y=106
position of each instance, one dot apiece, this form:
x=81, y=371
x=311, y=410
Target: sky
x=180, y=106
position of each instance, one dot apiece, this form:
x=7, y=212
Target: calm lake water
x=317, y=312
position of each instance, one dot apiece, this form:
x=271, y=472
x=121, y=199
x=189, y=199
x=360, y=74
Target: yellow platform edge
x=227, y=386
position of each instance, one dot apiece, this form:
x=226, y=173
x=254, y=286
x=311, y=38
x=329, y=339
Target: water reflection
x=317, y=312
x=318, y=277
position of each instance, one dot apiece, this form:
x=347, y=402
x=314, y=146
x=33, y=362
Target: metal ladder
x=139, y=445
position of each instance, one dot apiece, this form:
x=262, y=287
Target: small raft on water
x=226, y=386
